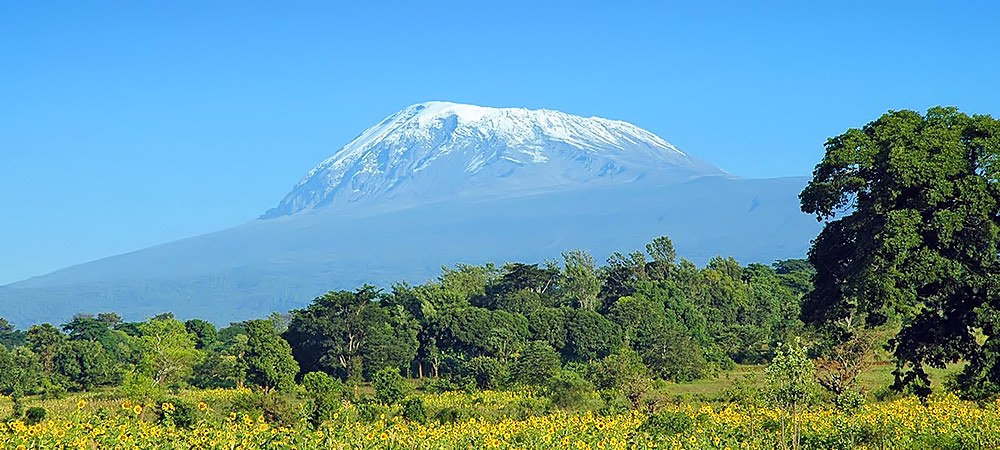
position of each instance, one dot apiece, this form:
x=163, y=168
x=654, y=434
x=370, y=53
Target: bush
x=351, y=391
x=50, y=389
x=389, y=386
x=886, y=393
x=569, y=390
x=623, y=371
x=849, y=401
x=489, y=373
x=615, y=402
x=324, y=393
x=175, y=411
x=451, y=414
x=439, y=385
x=275, y=407
x=372, y=412
x=528, y=407
x=139, y=388
x=666, y=423
x=35, y=414
x=745, y=390
x=414, y=410
x=673, y=355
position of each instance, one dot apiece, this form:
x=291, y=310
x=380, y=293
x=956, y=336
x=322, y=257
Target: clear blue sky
x=127, y=124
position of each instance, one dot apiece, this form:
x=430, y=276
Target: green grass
x=874, y=382
x=711, y=387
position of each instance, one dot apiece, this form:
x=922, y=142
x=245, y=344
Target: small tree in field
x=790, y=385
x=838, y=370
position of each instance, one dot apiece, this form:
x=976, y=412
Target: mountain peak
x=429, y=111
x=439, y=150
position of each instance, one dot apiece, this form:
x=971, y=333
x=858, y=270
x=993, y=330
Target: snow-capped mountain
x=439, y=150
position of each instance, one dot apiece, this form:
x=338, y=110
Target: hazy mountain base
x=279, y=264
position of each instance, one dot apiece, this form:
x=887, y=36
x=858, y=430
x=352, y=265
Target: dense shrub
x=415, y=410
x=528, y=407
x=451, y=414
x=439, y=385
x=275, y=407
x=389, y=386
x=569, y=390
x=666, y=423
x=177, y=412
x=35, y=414
x=488, y=373
x=324, y=394
x=372, y=412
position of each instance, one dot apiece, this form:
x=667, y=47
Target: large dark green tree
x=911, y=205
x=86, y=327
x=9, y=336
x=86, y=365
x=45, y=341
x=476, y=331
x=331, y=334
x=349, y=334
x=589, y=336
x=204, y=332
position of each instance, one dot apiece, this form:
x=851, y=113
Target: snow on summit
x=439, y=150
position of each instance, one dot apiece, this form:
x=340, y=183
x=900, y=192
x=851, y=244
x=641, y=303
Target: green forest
x=481, y=327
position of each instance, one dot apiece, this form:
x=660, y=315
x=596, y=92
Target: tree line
x=481, y=325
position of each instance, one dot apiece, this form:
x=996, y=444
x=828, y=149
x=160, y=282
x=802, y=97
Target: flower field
x=943, y=422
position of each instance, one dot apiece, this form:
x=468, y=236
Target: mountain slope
x=275, y=265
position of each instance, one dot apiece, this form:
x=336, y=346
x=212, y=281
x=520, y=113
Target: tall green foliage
x=46, y=341
x=912, y=208
x=9, y=336
x=168, y=351
x=790, y=386
x=331, y=334
x=389, y=386
x=536, y=364
x=269, y=360
x=86, y=364
x=519, y=322
x=20, y=371
x=324, y=393
x=580, y=285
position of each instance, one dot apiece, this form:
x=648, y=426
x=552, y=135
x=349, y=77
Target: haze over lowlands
x=438, y=184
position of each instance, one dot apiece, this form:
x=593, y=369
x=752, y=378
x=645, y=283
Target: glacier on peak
x=435, y=151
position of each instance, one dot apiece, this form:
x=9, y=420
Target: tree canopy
x=911, y=209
